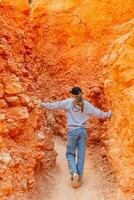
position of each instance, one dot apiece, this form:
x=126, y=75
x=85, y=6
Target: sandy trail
x=99, y=182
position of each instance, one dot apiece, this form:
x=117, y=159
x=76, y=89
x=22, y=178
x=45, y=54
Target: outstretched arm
x=92, y=110
x=55, y=105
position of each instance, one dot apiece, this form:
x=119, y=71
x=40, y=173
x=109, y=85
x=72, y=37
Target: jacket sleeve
x=56, y=105
x=92, y=110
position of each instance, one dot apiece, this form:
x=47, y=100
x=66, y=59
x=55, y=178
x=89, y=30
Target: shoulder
x=67, y=101
x=87, y=102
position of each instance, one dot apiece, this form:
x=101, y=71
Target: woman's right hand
x=37, y=103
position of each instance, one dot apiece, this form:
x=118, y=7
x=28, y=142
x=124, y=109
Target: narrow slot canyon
x=46, y=48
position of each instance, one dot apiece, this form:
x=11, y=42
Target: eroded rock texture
x=59, y=47
x=120, y=87
x=25, y=145
x=73, y=37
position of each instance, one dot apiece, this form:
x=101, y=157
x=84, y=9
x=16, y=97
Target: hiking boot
x=75, y=181
x=80, y=182
x=71, y=177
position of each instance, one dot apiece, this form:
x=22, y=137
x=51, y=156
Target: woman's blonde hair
x=80, y=101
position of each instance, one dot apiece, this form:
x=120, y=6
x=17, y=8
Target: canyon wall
x=26, y=146
x=73, y=38
x=44, y=52
x=119, y=87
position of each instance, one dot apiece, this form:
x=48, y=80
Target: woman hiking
x=78, y=111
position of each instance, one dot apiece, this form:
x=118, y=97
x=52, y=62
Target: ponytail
x=80, y=102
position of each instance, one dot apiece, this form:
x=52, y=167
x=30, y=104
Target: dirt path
x=99, y=182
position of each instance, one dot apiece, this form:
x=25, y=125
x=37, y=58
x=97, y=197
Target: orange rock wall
x=73, y=38
x=59, y=45
x=77, y=36
x=119, y=86
x=25, y=145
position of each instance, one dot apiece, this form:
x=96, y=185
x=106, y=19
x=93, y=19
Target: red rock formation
x=120, y=87
x=60, y=46
x=24, y=142
x=77, y=35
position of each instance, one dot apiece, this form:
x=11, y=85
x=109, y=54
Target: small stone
x=12, y=84
x=18, y=113
x=12, y=65
x=10, y=120
x=3, y=103
x=23, y=184
x=5, y=157
x=3, y=127
x=40, y=135
x=25, y=73
x=24, y=99
x=2, y=116
x=31, y=181
x=13, y=100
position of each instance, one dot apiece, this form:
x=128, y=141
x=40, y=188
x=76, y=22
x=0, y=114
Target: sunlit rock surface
x=43, y=53
x=25, y=144
x=120, y=87
x=73, y=38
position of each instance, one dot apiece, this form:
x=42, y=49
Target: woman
x=78, y=112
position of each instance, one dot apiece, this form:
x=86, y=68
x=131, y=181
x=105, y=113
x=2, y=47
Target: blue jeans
x=76, y=140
